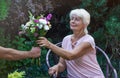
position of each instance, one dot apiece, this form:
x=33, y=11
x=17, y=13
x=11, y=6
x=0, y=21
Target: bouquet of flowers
x=35, y=28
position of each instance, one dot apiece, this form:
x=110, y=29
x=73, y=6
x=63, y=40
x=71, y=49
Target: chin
x=73, y=29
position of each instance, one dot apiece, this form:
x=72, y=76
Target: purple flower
x=36, y=27
x=49, y=16
x=36, y=21
x=36, y=34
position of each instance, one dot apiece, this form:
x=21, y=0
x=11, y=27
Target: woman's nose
x=72, y=20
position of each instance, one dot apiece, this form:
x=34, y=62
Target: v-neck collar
x=75, y=43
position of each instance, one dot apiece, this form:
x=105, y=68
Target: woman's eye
x=75, y=19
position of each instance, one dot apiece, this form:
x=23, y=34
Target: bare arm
x=60, y=67
x=78, y=51
x=12, y=54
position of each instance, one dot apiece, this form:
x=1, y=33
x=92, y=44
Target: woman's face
x=76, y=23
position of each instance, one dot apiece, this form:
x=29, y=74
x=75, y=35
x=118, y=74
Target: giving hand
x=35, y=52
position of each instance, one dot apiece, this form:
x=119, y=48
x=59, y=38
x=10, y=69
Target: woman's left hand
x=42, y=41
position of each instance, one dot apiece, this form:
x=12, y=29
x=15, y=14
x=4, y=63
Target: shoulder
x=89, y=36
x=66, y=40
x=90, y=39
x=67, y=37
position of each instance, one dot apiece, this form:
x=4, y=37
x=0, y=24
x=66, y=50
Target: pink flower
x=21, y=33
x=36, y=21
x=36, y=34
x=49, y=16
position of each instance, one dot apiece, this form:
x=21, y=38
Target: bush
x=4, y=6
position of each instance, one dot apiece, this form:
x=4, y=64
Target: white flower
x=29, y=23
x=46, y=27
x=24, y=27
x=40, y=26
x=43, y=21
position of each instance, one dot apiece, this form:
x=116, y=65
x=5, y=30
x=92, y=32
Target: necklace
x=73, y=44
x=75, y=39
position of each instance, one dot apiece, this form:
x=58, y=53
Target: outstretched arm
x=78, y=51
x=12, y=54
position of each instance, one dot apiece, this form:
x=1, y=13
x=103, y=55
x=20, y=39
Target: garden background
x=104, y=27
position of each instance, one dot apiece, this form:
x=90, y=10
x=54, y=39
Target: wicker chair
x=109, y=70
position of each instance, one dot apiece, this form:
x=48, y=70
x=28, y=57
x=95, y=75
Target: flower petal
x=46, y=27
x=43, y=21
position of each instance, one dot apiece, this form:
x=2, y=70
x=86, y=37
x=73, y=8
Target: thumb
x=56, y=73
x=51, y=71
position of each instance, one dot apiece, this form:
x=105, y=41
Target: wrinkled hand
x=43, y=42
x=53, y=70
x=35, y=52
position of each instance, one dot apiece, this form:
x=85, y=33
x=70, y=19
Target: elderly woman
x=78, y=52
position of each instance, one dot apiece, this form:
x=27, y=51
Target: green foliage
x=35, y=70
x=112, y=25
x=113, y=29
x=16, y=74
x=5, y=41
x=113, y=22
x=99, y=37
x=96, y=8
x=33, y=67
x=4, y=6
x=20, y=43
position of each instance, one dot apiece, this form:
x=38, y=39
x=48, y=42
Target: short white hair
x=84, y=15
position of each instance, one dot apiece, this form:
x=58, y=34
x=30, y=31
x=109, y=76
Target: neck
x=77, y=35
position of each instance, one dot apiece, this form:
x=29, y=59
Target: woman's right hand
x=53, y=70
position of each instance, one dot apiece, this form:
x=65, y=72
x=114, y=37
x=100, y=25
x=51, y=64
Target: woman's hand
x=43, y=42
x=53, y=70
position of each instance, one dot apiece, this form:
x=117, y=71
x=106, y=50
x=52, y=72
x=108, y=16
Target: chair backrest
x=110, y=72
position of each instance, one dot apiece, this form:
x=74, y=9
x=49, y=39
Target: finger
x=56, y=73
x=42, y=45
x=51, y=71
x=40, y=42
x=41, y=38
